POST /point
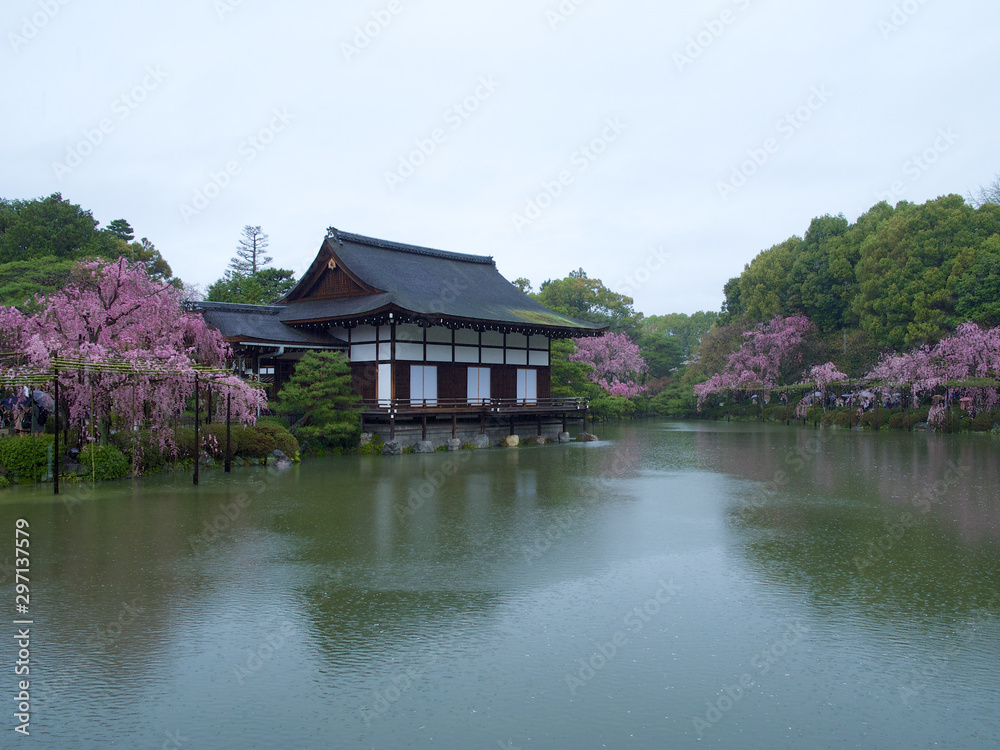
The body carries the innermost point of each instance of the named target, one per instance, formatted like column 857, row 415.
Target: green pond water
column 673, row 585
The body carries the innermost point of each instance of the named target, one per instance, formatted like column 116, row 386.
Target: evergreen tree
column 250, row 258
column 321, row 391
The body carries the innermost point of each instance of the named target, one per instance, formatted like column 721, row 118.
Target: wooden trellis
column 35, row 377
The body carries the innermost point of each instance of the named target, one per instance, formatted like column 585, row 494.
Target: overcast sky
column 658, row 145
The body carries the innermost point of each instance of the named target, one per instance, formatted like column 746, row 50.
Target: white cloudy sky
column 180, row 87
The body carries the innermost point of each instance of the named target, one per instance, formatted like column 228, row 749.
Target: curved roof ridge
column 236, row 307
column 360, row 239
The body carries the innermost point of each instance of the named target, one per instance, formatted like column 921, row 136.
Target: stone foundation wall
column 439, row 431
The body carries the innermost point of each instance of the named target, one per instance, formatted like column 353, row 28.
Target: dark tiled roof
column 425, row 282
column 258, row 324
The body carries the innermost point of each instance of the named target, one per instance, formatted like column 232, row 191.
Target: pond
column 673, row 585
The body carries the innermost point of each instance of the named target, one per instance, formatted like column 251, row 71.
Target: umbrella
column 44, row 400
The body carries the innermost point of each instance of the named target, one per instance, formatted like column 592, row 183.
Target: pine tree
column 321, row 391
column 250, row 256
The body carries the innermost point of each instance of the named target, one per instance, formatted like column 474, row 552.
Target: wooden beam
column 197, row 418
column 55, row 465
column 229, row 452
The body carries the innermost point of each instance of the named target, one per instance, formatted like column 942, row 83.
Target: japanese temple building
column 434, row 338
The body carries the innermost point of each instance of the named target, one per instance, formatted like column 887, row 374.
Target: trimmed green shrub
column 611, row 407
column 255, row 443
column 106, row 461
column 25, row 459
column 777, row 413
column 281, row 438
column 839, row 418
column 899, row 421
column 984, row 420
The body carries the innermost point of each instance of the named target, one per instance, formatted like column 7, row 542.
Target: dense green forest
column 42, row 239
column 897, row 278
column 902, row 276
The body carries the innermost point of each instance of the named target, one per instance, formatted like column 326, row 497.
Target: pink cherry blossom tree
column 136, row 346
column 617, row 363
column 762, row 361
column 823, row 376
column 971, row 353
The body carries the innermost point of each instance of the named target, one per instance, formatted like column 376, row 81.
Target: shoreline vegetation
column 891, row 322
column 27, row 459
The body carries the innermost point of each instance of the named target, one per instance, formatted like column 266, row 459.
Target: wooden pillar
column 55, row 465
column 229, row 452
column 197, row 418
column 539, row 425
column 482, row 423
column 392, row 426
column 511, row 424
column 454, row 425
column 564, row 421
column 423, row 427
